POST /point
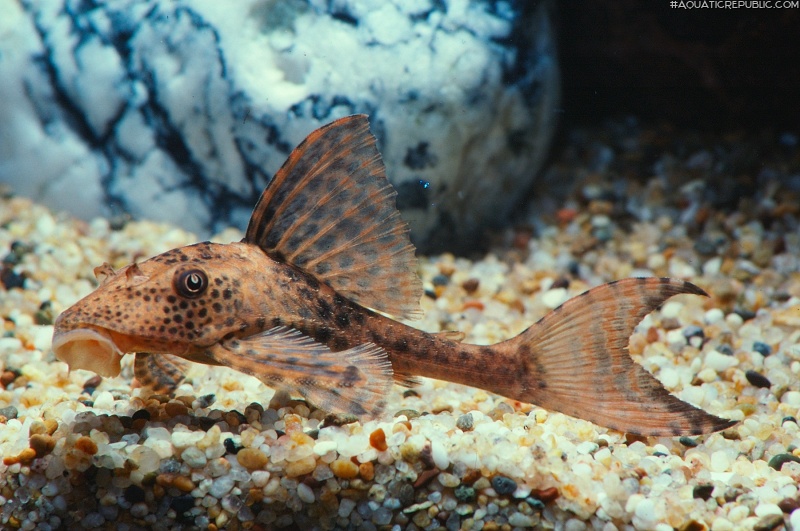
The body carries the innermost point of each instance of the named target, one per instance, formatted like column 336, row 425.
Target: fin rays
column 579, row 363
column 331, row 211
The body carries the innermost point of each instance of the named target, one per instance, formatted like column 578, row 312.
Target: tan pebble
column 42, row 444
column 165, row 480
column 186, row 400
column 175, row 409
column 301, row 467
column 344, row 468
column 86, row 445
column 366, row 471
column 301, row 439
column 377, row 439
column 158, row 491
column 183, row 484
column 252, row 458
column 51, row 425
column 25, row 456
column 293, row 423
column 37, row 427
column 402, row 426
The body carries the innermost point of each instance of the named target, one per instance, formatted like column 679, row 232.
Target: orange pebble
column 377, row 439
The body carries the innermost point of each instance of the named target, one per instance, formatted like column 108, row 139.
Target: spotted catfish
column 304, row 301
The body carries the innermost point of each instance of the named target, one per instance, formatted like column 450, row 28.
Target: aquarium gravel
column 227, row 453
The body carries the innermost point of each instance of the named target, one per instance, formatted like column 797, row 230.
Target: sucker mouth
column 88, row 348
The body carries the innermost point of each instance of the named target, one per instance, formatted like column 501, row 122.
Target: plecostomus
column 301, row 303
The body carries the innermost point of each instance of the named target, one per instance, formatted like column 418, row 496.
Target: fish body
column 306, row 302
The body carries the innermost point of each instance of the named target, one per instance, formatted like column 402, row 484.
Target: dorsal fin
column 331, row 211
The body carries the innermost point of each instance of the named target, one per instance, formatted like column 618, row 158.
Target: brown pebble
column 92, row 382
column 42, row 444
column 545, row 495
column 86, row 445
column 175, row 409
column 344, row 469
column 366, row 471
column 252, row 458
column 471, row 285
column 788, row 505
column 693, row 525
column 471, row 477
column 426, row 476
column 652, row 334
column 377, row 439
column 7, row 378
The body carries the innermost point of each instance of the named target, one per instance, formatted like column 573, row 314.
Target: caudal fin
column 577, row 362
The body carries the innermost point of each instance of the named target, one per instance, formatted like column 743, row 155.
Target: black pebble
column 779, row 460
column 181, row 504
column 693, row 331
column 141, row 414
column 725, row 349
column 231, row 446
column 503, row 485
column 134, row 494
column 688, row 442
column 703, row 492
column 762, row 348
column 757, row 379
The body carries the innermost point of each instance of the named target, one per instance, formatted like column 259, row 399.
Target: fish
column 309, row 302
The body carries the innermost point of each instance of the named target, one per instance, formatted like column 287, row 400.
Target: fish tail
column 575, row 361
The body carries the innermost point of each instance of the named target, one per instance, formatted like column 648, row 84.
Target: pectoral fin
column 354, row 381
column 162, row 373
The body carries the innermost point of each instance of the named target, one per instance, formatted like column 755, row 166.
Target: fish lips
column 89, row 348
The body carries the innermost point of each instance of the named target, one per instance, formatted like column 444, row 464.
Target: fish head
column 179, row 302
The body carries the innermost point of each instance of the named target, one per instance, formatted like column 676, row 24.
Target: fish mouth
column 92, row 349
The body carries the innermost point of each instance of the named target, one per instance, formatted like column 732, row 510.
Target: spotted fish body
column 305, row 302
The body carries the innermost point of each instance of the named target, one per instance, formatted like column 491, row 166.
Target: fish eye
column 191, row 283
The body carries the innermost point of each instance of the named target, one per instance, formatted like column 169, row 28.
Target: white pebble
column 791, row 398
column 439, row 455
column 794, row 519
column 305, row 493
column 719, row 362
column 646, row 512
column 104, row 400
column 157, row 434
column 713, row 316
column 323, row 447
column 720, row 462
column 221, row 486
column 554, row 297
column 671, row 310
column 183, row 439
column 764, row 509
column 194, row 457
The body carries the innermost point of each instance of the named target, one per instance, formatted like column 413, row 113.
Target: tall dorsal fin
column 331, row 211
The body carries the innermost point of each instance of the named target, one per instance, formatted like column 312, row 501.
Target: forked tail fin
column 576, row 362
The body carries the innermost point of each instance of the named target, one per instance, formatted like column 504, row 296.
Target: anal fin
column 354, row 381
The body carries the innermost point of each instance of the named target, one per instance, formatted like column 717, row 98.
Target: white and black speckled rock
column 182, row 110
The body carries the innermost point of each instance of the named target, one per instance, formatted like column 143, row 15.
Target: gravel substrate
column 226, row 453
